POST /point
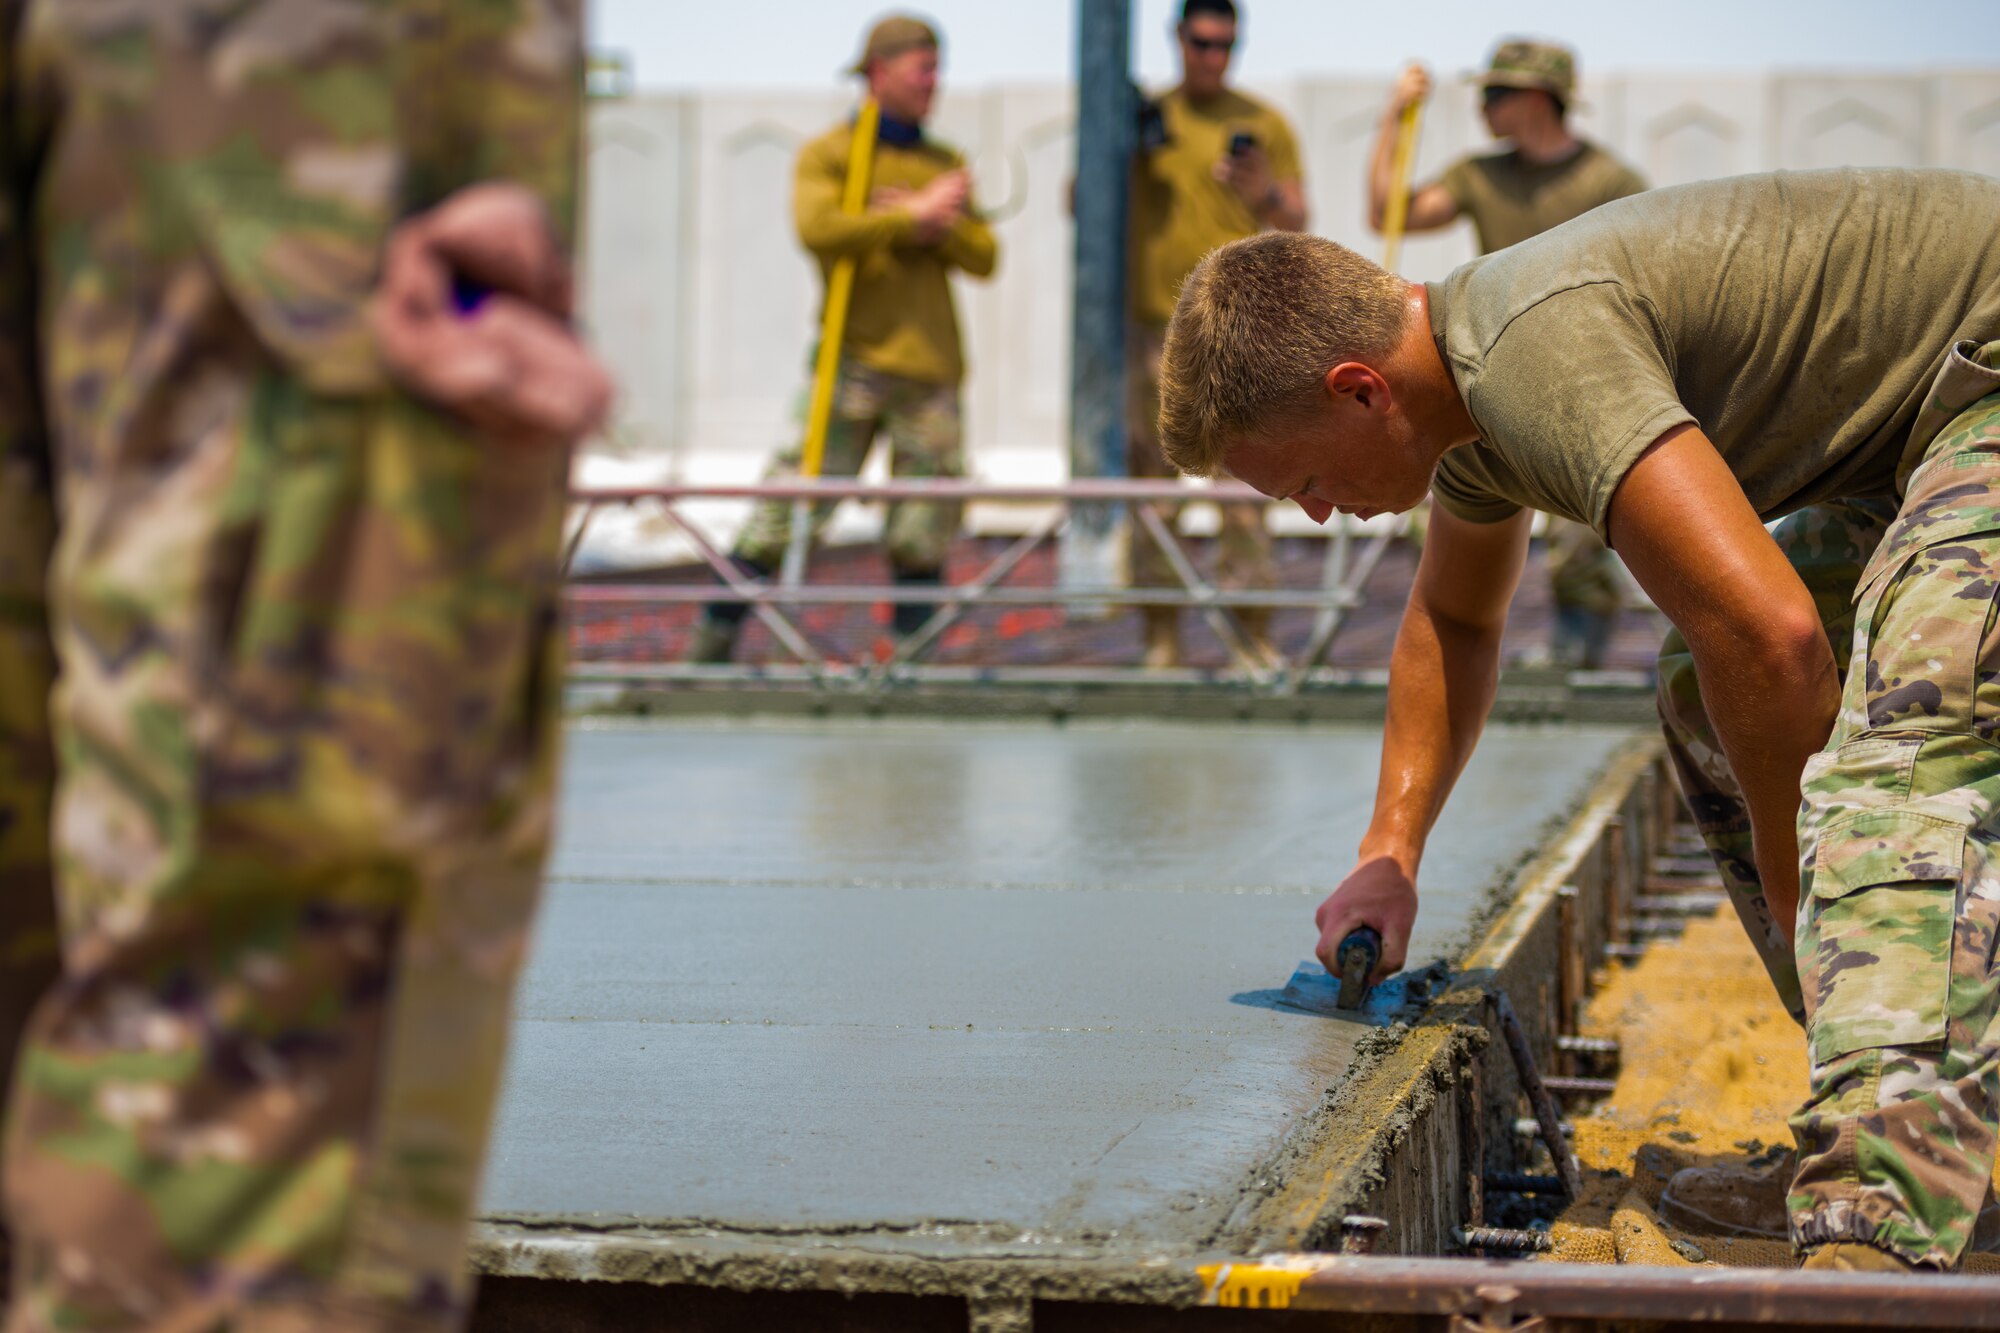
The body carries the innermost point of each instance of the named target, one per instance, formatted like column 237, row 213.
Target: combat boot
column 909, row 617
column 1163, row 637
column 714, row 641
column 715, row 635
column 1256, row 622
column 1730, row 1200
column 1847, row 1256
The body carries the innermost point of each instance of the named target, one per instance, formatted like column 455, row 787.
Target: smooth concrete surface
column 880, row 977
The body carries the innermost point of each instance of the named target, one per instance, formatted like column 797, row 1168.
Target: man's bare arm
column 1768, row 678
column 1442, row 676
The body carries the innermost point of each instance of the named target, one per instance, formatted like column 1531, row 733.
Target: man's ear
column 1361, row 384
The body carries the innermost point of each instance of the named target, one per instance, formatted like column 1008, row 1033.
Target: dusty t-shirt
column 1796, row 318
column 1510, row 198
column 1179, row 210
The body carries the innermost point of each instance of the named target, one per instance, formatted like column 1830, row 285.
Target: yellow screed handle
column 839, row 290
column 1397, row 212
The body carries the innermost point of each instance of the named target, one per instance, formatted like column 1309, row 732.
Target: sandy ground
column 1711, row 1067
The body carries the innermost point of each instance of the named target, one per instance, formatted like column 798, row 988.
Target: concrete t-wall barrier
column 703, row 303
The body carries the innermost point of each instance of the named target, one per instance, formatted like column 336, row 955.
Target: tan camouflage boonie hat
column 891, row 37
column 1525, row 64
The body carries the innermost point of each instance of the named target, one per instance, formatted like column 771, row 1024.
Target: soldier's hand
column 1375, row 893
column 1249, row 174
column 1412, row 86
column 939, row 204
column 471, row 314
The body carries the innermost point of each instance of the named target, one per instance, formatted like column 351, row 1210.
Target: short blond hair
column 1259, row 323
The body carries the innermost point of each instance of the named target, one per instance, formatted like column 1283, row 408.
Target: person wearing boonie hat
column 891, row 37
column 901, row 360
column 1543, row 178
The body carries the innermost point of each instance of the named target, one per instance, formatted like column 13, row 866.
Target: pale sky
column 678, row 44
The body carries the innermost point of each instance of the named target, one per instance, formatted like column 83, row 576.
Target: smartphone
column 1153, row 134
column 1241, row 142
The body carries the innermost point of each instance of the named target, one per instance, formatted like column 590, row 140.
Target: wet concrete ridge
column 969, row 989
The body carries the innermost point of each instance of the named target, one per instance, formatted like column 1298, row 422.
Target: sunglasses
column 1221, row 46
column 1491, row 96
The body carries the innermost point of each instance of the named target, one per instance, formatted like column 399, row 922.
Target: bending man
column 1676, row 370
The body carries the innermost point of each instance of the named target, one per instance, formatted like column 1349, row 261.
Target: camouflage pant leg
column 303, row 805
column 1587, row 589
column 860, row 399
column 1828, row 545
column 28, row 959
column 1148, row 566
column 1243, row 556
column 305, row 727
column 925, row 441
column 1900, row 870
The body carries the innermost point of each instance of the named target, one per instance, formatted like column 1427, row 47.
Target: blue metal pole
column 1107, row 130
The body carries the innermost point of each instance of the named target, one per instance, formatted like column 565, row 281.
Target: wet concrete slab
column 862, row 978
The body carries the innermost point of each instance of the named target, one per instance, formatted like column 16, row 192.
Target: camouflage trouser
column 1585, row 584
column 1828, row 545
column 304, row 730
column 1899, row 843
column 922, row 423
column 1243, row 557
column 1900, row 881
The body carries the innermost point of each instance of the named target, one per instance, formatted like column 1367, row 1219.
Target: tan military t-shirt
column 1797, row 318
column 1179, row 210
column 1510, row 198
column 901, row 319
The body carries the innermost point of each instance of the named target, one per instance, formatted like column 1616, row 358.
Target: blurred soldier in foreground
column 287, row 391
column 900, row 363
column 1546, row 176
column 1213, row 165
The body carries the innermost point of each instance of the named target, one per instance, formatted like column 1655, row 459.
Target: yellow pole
column 839, row 290
column 1397, row 211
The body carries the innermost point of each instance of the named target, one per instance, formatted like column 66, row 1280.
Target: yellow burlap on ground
column 1710, row 1068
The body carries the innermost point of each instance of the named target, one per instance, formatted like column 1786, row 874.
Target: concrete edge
column 790, row 1263
column 1401, row 1170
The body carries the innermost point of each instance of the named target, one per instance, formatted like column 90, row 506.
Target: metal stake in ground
column 1568, row 1169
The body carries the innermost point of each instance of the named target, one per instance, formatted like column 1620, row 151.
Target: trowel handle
column 1356, row 958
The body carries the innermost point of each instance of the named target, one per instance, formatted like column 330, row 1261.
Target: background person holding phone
column 1213, row 166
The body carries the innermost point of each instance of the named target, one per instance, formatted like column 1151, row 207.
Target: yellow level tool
column 1397, row 212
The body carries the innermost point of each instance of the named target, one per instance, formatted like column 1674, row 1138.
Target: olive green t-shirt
column 1179, row 210
column 1797, row 318
column 1510, row 198
column 900, row 319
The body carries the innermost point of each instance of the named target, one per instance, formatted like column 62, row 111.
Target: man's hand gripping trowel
column 1356, row 959
column 1345, row 993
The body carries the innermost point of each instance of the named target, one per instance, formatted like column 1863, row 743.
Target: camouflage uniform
column 922, row 423
column 305, row 724
column 1587, row 590
column 1900, row 881
column 1243, row 556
